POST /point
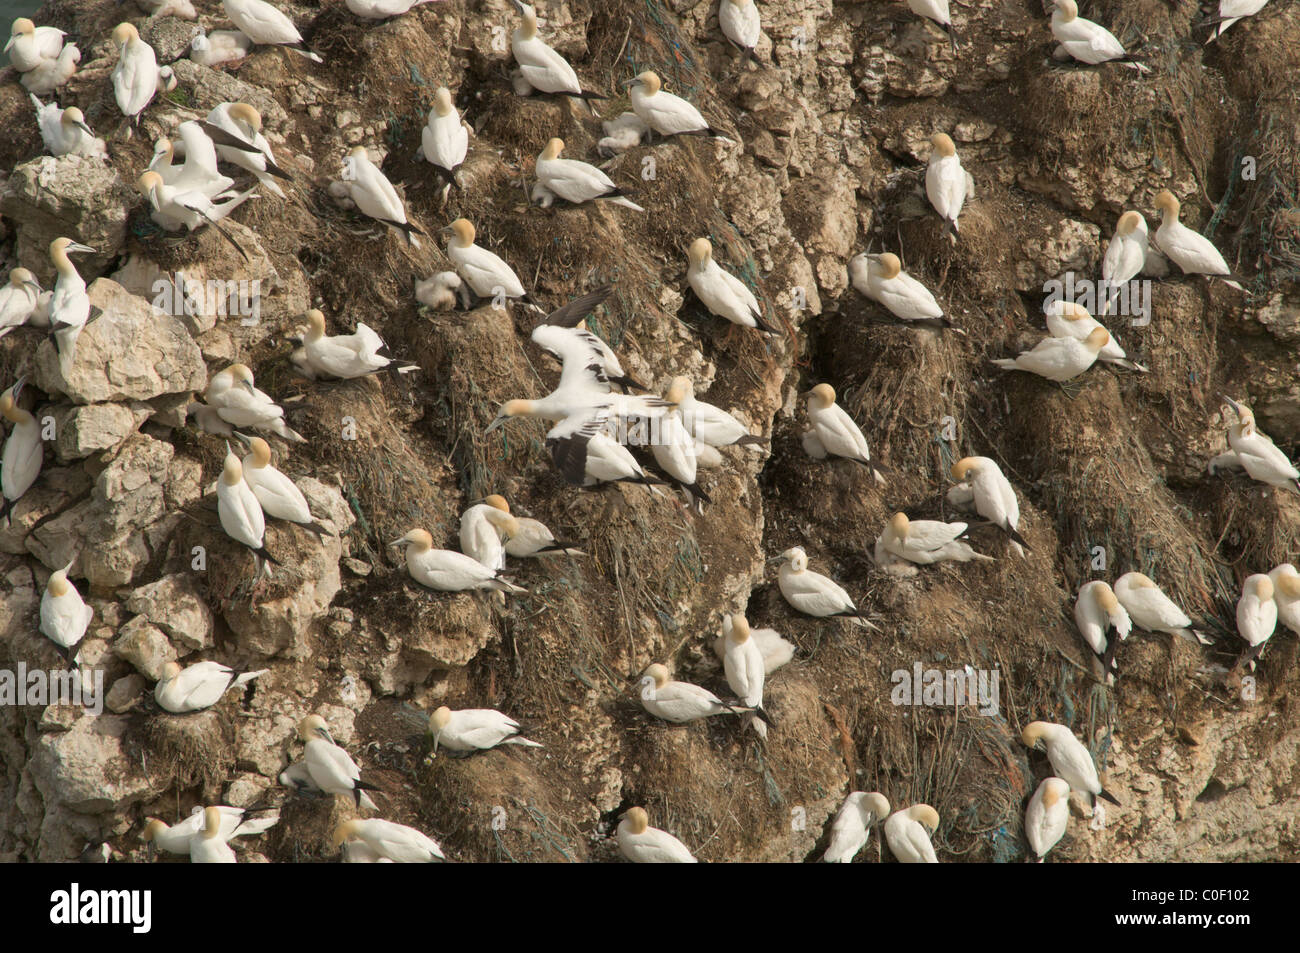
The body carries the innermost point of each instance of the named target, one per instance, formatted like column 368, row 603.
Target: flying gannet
column 993, row 496
column 679, row 702
column 924, row 542
column 577, row 182
column 199, row 686
column 540, row 67
column 1254, row 451
column 1085, row 41
column 64, row 132
column 882, row 279
column 1065, row 319
column 665, row 113
column 446, row 570
column 265, row 25
column 814, row 594
column 1097, row 610
column 906, row 834
column 1152, row 610
column 834, row 433
column 396, row 842
column 1059, row 359
column 330, row 768
column 857, row 815
column 1071, row 761
column 474, row 729
column 24, row 451
column 740, row 24
column 1047, row 816
column 722, row 292
column 64, row 615
column 947, row 184
column 1191, row 251
column 565, row 336
column 643, row 844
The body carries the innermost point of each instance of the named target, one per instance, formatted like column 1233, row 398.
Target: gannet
column 51, row 74
column 775, row 650
column 1190, row 251
column 474, row 729
column 1097, row 610
column 947, row 184
column 1126, row 255
column 208, row 419
column 746, row 671
column 993, row 496
column 209, row 846
column 1085, row 41
column 881, row 278
column 438, row 291
column 906, row 833
column 643, row 844
column 480, row 538
column 565, row 336
column 29, row 45
column 445, row 570
column 485, row 273
column 814, row 594
column 232, row 394
column 220, row 46
column 64, row 615
column 834, row 432
column 18, row 300
column 578, row 182
column 1065, row 319
column 279, row 495
column 397, row 842
column 345, row 356
column 135, row 78
column 330, row 768
column 1059, row 359
column 936, row 11
column 1256, row 615
column 174, row 209
column 857, row 815
column 70, row 306
column 1152, row 610
column 665, row 113
column 722, row 292
column 679, row 702
column 1286, row 595
column 236, row 128
column 541, row 67
column 445, row 137
column 1253, row 450
column 176, row 838
column 740, row 24
column 1230, row 11
column 1047, row 816
column 359, row 852
column 674, row 451
column 240, row 512
column 182, row 9
column 709, row 424
column 266, row 25
column 525, row 537
column 64, row 132
column 374, row 195
column 199, row 686
column 1070, row 759
column 924, row 541
column 382, row 9
column 199, row 173
column 586, row 455
column 24, row 451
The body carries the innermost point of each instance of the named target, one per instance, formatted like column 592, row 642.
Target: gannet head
column 1054, row 790
column 823, row 395
column 1105, row 597
column 796, row 557
column 648, row 81
column 874, row 802
column 260, row 450
column 964, row 467
column 61, row 247
column 461, row 231
column 1260, row 585
column 124, row 32
column 345, row 831
column 943, row 144
column 72, row 116
column 553, row 149
column 511, row 408
column 886, row 265
column 419, row 538
column 1137, row 580
column 1245, row 415
column 200, row 44
column 211, row 822
column 1037, row 731
column 440, row 719
column 529, row 15
column 315, row 324
column 679, row 390
column 1069, row 9
column 739, row 628
column 232, row 471
column 899, row 525
column 1072, row 312
column 21, row 276
column 442, row 101
column 9, row 407
column 21, row 26
column 1128, row 223
column 162, row 147
column 497, row 501
column 1288, row 581
column 924, row 814
column 1097, row 340
column 58, row 585
column 700, row 252
column 247, row 114
column 1166, row 203
column 313, row 727
column 242, row 375
column 659, row 673
column 152, row 829
column 637, row 820
column 170, row 670
column 150, row 181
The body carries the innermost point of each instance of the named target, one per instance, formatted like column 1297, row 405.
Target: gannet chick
column 775, row 650
column 220, row 46
column 881, row 278
column 330, row 768
column 439, row 291
column 1191, row 251
column 1059, row 359
column 396, row 842
column 52, row 74
column 1286, row 595
column 540, row 67
column 175, row 209
column 643, row 844
column 1256, row 615
column 962, row 495
column 484, row 271
column 69, row 306
column 1065, row 319
column 925, row 541
column 1097, row 610
column 578, row 182
column 64, row 615
column 679, row 702
column 722, row 292
column 232, row 394
column 480, row 538
column 665, row 113
column 1152, row 610
column 1070, row 759
column 382, row 9
column 1255, row 451
column 199, row 686
column 445, row 137
column 374, row 195
column 64, row 132
column 622, row 133
column 279, row 495
column 947, row 184
column 445, row 570
column 993, row 496
column 345, row 356
column 906, row 834
column 176, row 838
column 240, row 512
column 29, row 45
column 740, row 24
column 834, row 432
column 135, row 78
column 266, row 25
column 857, row 815
column 18, row 300
column 1085, row 41
column 746, row 672
column 1047, row 816
column 474, row 729
column 524, row 537
column 814, row 594
column 708, row 424
column 207, row 419
column 236, row 128
column 1230, row 11
column 182, row 9
column 209, row 846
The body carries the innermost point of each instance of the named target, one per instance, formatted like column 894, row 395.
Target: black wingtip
column 1106, row 795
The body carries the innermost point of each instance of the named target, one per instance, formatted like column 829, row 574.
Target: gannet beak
column 84, row 128
column 10, row 43
column 33, row 285
column 445, row 230
column 631, row 82
column 776, row 559
column 247, row 386
column 77, row 246
column 499, row 422
column 398, row 542
column 434, row 752
column 18, row 387
column 243, row 437
column 1231, row 403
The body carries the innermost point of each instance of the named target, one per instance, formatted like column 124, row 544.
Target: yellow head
column 462, row 232
column 886, row 265
column 419, row 538
column 964, row 467
column 650, row 81
column 943, row 144
column 553, row 149
column 899, row 524
column 1166, row 203
column 344, row 832
column 1128, row 223
column 637, row 820
column 823, row 395
column 700, row 252
column 124, row 32
column 1097, row 340
column 739, row 628
column 659, row 673
column 442, row 101
column 247, row 114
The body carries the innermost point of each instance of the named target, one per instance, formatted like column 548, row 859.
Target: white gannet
column 374, row 195
column 665, row 113
column 1065, row 319
column 882, row 279
column 814, row 594
column 474, row 729
column 69, row 306
column 1071, row 761
column 1229, row 12
column 740, row 24
column 722, row 292
column 176, row 838
column 445, row 137
column 906, row 833
column 1256, row 615
column 1085, row 41
column 220, row 46
column 541, row 67
column 835, row 433
column 174, row 209
column 584, row 452
column 240, row 513
column 46, row 78
column 396, row 842
column 1152, row 610
column 279, row 495
column 1191, row 251
column 199, row 686
column 439, row 290
column 232, row 393
column 746, row 671
column 673, row 448
column 993, row 495
column 859, row 812
column 344, row 356
column 1126, row 256
column 266, row 25
column 947, row 184
column 236, row 128
column 643, row 844
column 64, row 132
column 1253, row 450
column 679, row 702
column 708, row 424
column 30, row 45
column 183, row 9
column 525, row 537
column 209, row 846
column 64, row 614
column 480, row 538
column 1047, row 816
column 135, row 78
column 18, row 300
column 330, row 768
column 936, row 11
column 359, row 852
column 577, row 182
column 200, row 172
column 1286, row 595
column 924, row 542
column 1097, row 610
column 484, row 271
column 208, row 419
column 1059, row 359
column 776, row 651
column 445, row 570
column 382, row 9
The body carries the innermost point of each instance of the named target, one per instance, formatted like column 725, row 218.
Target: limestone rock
column 145, row 647
column 173, row 604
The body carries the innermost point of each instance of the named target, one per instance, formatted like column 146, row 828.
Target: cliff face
column 831, row 138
